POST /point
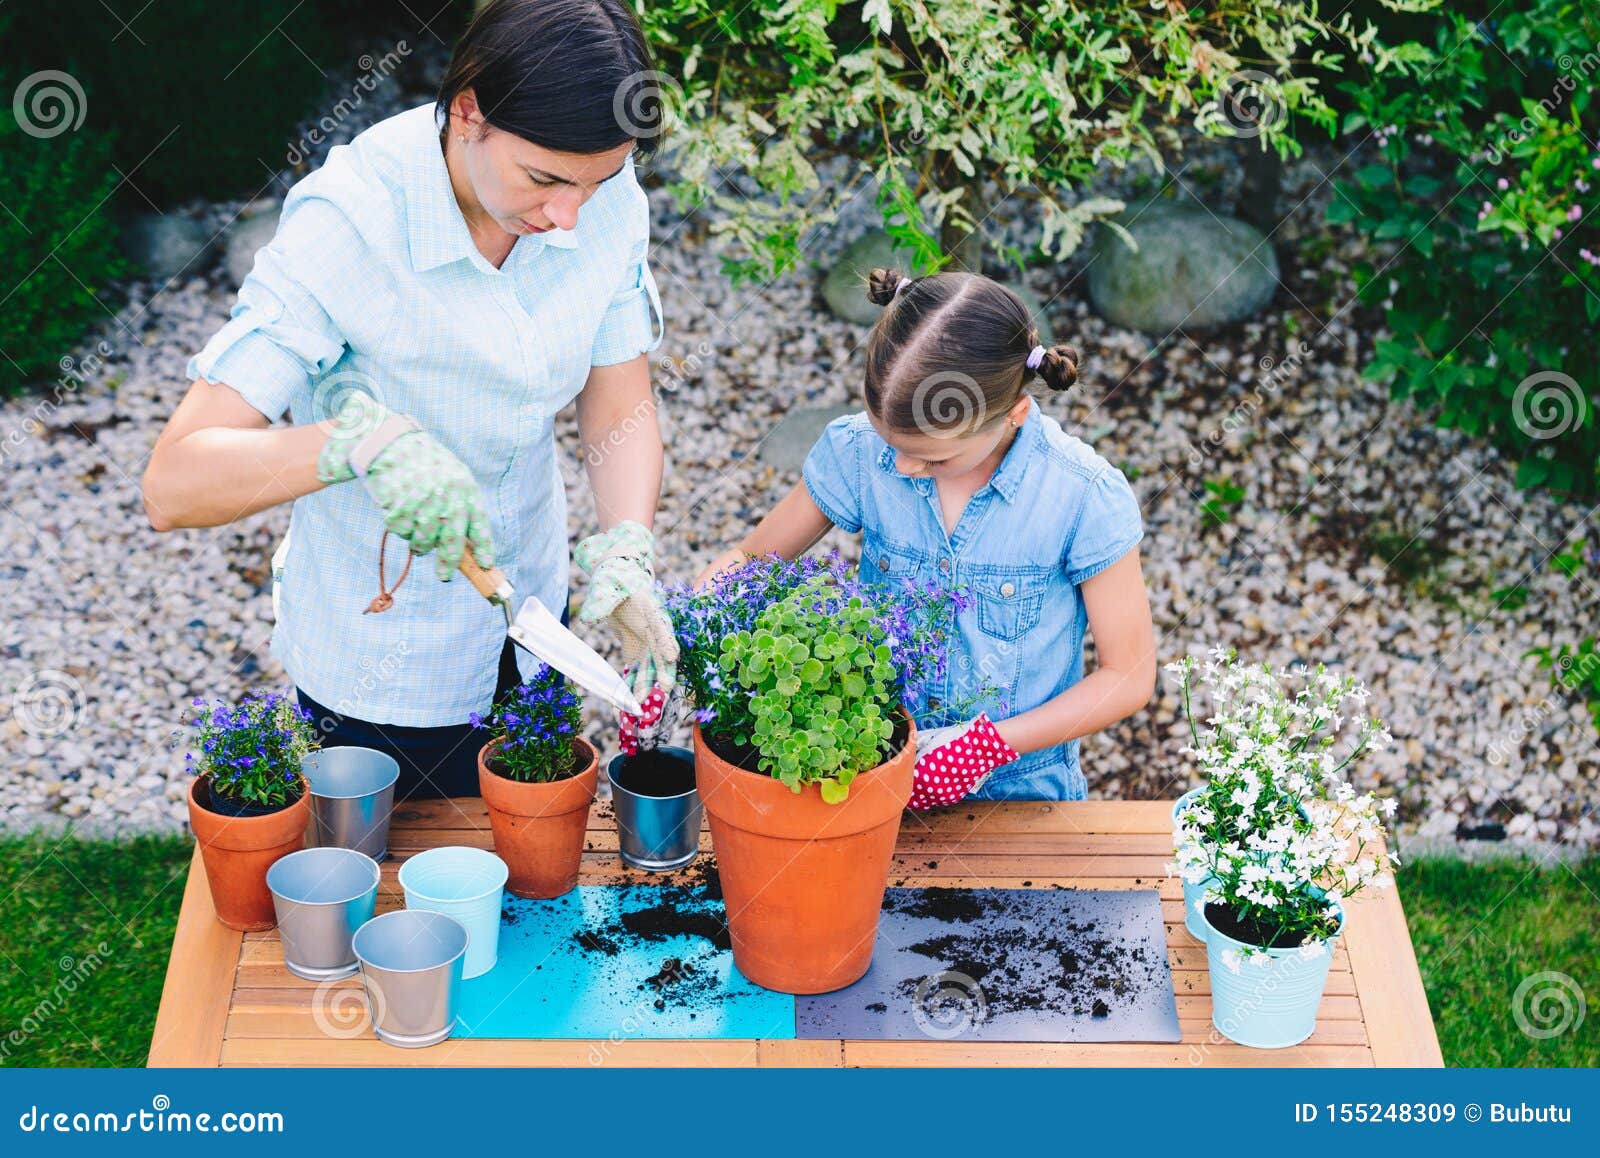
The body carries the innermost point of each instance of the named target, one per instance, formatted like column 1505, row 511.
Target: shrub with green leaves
column 535, row 724
column 57, row 246
column 252, row 751
column 821, row 679
column 934, row 97
column 1487, row 184
column 806, row 665
column 199, row 96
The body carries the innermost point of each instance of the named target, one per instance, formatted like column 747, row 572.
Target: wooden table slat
column 192, row 1016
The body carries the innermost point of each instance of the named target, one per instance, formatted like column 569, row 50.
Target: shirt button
column 1007, row 589
column 883, row 563
column 944, row 565
column 934, row 703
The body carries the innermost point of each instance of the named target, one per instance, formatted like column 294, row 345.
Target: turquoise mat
column 616, row 962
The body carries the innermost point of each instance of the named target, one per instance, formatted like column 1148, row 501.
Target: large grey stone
column 1193, row 270
column 845, row 287
column 243, row 238
column 792, row 439
column 165, row 246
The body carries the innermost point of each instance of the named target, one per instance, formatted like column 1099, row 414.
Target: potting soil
column 1008, row 965
column 609, row 962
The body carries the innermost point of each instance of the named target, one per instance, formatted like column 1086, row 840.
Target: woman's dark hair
column 949, row 354
column 575, row 76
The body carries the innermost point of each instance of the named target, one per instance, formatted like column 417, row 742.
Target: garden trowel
column 537, row 630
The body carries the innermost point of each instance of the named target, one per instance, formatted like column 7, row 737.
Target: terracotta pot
column 803, row 880
column 538, row 828
column 238, row 851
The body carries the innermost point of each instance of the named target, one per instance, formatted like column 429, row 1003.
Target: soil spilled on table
column 688, row 978
column 1018, row 965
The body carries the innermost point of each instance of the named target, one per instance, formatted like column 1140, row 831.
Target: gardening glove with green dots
column 621, row 567
column 428, row 495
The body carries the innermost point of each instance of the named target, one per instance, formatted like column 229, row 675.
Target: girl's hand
column 954, row 762
column 427, row 493
column 726, row 561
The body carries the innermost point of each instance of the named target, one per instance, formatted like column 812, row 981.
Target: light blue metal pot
column 1271, row 1002
column 467, row 884
column 1192, row 920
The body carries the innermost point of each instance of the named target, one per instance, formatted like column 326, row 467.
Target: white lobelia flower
column 1230, row 958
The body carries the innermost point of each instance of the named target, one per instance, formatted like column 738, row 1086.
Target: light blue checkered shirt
column 373, row 282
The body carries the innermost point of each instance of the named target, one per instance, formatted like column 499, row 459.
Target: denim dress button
column 944, row 565
column 1008, row 589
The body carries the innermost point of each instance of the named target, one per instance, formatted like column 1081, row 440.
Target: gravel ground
column 1364, row 538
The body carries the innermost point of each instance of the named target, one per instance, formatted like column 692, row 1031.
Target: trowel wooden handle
column 490, row 581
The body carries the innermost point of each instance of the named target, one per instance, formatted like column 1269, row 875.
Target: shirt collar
column 436, row 232
column 1008, row 478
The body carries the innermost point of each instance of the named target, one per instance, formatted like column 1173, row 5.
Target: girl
column 954, row 475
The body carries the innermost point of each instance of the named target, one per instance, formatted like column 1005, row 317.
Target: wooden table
column 228, row 1000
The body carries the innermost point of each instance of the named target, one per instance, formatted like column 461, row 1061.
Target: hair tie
column 1035, row 356
column 905, row 281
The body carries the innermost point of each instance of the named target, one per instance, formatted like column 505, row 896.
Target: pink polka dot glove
column 953, row 762
column 653, row 704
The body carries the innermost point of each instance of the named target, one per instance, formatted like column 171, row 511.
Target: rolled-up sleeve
column 279, row 335
column 632, row 324
column 1109, row 527
column 832, row 473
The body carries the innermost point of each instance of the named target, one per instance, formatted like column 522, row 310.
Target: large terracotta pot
column 803, row 880
column 538, row 828
column 238, row 851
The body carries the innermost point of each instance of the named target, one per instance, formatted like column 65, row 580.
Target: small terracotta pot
column 238, row 851
column 538, row 828
column 803, row 880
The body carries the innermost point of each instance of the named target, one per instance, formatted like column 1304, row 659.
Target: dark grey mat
column 1008, row 965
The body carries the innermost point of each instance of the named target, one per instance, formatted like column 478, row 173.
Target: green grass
column 1483, row 930
column 85, row 929
column 1480, row 931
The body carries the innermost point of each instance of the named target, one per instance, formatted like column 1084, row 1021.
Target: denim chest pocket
column 889, row 562
column 1009, row 603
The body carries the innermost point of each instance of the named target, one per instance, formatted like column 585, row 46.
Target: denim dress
column 1054, row 515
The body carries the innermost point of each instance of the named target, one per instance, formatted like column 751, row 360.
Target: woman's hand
column 726, row 561
column 621, row 566
column 427, row 493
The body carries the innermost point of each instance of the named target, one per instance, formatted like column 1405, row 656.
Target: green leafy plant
column 1575, row 667
column 1487, row 185
column 57, row 247
column 821, row 679
column 1225, row 497
column 535, row 724
column 933, row 98
column 805, row 666
column 136, row 66
column 1278, row 834
column 252, row 751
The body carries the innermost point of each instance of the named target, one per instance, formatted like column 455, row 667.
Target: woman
column 434, row 295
